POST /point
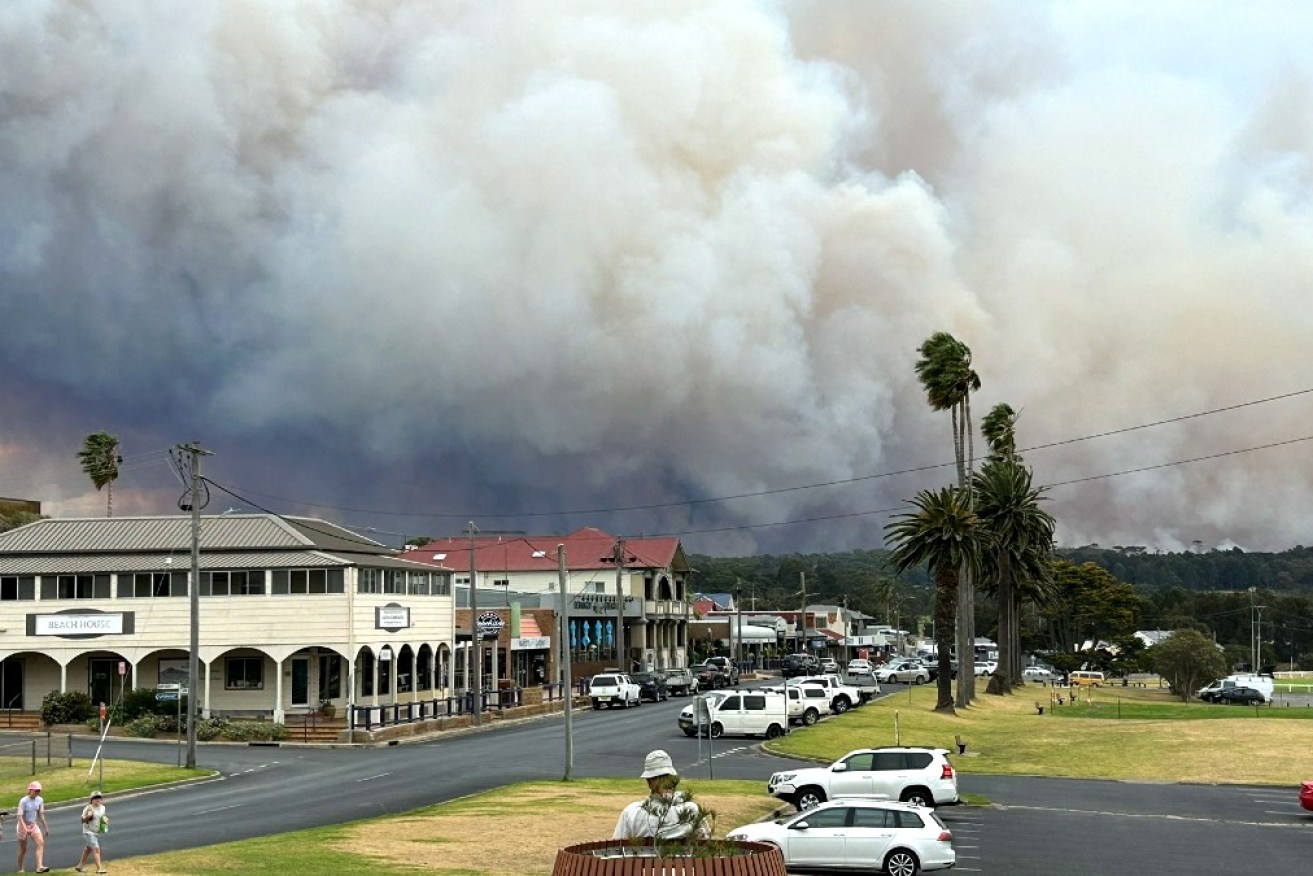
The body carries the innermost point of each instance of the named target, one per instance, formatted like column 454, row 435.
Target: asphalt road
column 1033, row 825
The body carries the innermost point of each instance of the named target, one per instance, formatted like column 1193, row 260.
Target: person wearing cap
column 32, row 809
column 94, row 823
column 665, row 813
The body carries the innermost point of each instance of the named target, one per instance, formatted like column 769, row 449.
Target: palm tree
column 946, row 375
column 100, row 460
column 1021, row 549
column 945, row 534
column 1000, row 430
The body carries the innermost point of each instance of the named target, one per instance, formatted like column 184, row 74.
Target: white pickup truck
column 843, row 696
column 613, row 689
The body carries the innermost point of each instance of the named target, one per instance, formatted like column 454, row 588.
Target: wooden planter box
column 710, row 858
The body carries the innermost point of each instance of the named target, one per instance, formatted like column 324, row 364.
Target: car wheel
column 917, row 797
column 596, row 705
column 717, row 730
column 690, row 733
column 901, row 862
column 773, row 731
column 840, row 705
column 921, row 679
column 809, row 798
column 810, row 717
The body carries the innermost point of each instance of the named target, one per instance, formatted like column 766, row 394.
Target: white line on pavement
column 371, row 778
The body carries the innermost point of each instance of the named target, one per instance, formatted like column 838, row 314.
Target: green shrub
column 73, row 707
column 133, row 704
column 209, row 729
column 145, row 726
column 254, row 731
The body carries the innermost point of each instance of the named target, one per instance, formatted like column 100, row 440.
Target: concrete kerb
column 129, row 793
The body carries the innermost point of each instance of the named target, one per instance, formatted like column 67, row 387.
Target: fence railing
column 367, row 717
column 23, row 756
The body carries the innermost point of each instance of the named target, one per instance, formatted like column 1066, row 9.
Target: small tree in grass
column 1188, row 660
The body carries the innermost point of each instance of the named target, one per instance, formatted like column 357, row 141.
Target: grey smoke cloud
column 501, row 258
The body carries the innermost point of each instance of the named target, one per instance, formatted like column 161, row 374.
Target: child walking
column 94, row 823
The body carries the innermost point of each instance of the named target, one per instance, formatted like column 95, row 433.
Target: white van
column 749, row 713
column 1260, row 683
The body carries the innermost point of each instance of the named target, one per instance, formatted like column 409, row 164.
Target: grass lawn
column 1157, row 737
column 512, row 831
column 60, row 783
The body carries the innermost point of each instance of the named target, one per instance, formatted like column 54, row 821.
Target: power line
column 655, row 506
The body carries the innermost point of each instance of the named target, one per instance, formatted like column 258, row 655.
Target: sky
column 660, row 267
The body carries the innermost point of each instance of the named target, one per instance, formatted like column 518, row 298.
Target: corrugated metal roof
column 173, row 533
column 73, row 564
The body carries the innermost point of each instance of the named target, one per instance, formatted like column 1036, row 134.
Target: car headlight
column 782, row 777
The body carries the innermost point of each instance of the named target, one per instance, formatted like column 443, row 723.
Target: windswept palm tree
column 1000, row 430
column 100, row 460
column 946, row 535
column 945, row 372
column 1021, row 548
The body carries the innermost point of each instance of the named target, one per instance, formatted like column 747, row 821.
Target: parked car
column 902, row 672
column 798, row 706
column 842, row 696
column 1306, row 795
column 859, row 666
column 1247, row 696
column 986, row 667
column 924, row 776
column 651, row 686
column 799, row 664
column 858, row 835
column 681, row 682
column 1262, row 684
column 613, row 689
column 709, row 676
column 1037, row 673
column 817, row 698
column 727, row 666
column 829, row 664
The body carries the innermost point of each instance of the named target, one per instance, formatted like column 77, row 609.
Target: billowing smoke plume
column 516, row 258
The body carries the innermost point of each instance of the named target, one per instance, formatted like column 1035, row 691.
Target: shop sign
column 531, row 643
column 391, row 617
column 80, row 625
column 489, row 624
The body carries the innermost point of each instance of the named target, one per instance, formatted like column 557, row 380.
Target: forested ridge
column 1111, row 593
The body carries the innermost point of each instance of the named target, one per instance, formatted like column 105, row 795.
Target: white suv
column 613, row 690
column 923, row 776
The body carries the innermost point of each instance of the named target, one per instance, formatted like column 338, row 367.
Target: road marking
column 1191, row 818
column 218, row 809
column 371, row 778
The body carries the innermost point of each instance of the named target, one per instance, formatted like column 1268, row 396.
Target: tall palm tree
column 945, row 534
column 945, row 372
column 1021, row 550
column 100, row 460
column 1000, row 430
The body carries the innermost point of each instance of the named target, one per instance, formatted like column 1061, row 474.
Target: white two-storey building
column 293, row 612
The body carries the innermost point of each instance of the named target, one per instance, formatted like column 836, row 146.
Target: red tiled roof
column 586, row 548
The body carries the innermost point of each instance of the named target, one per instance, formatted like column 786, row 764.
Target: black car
column 650, row 686
column 799, row 664
column 1241, row 695
column 710, row 677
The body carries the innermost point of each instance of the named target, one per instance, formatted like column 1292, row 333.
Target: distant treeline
column 1207, row 590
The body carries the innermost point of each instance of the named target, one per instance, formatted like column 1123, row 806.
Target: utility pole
column 738, row 623
column 566, row 681
column 476, row 635
column 1258, row 639
column 619, row 555
column 195, row 452
column 802, row 616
